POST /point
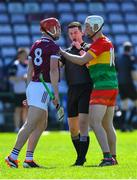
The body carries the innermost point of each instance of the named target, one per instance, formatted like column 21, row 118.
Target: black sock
column 76, row 143
column 84, row 144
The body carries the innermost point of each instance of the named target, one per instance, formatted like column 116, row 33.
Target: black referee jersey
column 76, row 74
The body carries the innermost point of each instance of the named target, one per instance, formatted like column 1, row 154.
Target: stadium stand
column 21, row 19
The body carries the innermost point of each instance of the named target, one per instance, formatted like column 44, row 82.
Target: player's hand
column 25, row 103
column 60, row 113
column 55, row 101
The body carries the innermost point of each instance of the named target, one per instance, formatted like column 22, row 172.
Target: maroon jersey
column 40, row 54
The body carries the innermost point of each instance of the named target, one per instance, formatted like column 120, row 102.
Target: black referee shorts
column 128, row 91
column 78, row 99
column 18, row 99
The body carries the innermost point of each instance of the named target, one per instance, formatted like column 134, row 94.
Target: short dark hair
column 75, row 24
column 21, row 50
column 127, row 46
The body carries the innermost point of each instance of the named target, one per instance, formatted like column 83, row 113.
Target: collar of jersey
column 43, row 37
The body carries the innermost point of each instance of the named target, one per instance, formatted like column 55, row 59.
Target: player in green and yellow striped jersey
column 100, row 62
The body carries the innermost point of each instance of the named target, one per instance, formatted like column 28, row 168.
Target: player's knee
column 30, row 126
column 43, row 126
column 108, row 126
column 94, row 125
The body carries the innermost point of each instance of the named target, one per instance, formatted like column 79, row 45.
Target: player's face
column 56, row 33
column 22, row 56
column 75, row 34
column 88, row 30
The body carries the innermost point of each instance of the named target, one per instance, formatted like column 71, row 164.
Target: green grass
column 55, row 152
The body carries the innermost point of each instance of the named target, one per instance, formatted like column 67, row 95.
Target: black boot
column 83, row 148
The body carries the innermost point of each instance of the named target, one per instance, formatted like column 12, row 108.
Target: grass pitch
column 56, row 153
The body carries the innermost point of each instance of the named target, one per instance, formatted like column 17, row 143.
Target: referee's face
column 75, row 34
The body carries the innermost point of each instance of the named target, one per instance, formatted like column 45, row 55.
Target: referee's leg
column 83, row 108
column 73, row 120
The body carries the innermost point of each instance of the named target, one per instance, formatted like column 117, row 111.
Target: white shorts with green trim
column 37, row 95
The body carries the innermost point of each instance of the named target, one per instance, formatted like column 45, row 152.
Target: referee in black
column 79, row 90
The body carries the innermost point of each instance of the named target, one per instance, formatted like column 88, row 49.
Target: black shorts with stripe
column 78, row 99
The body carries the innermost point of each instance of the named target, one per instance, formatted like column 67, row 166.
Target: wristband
column 81, row 49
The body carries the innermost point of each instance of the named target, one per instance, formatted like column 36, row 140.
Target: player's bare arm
column 54, row 75
column 80, row 60
column 30, row 71
column 14, row 78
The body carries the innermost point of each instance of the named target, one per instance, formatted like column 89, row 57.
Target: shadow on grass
column 95, row 166
column 42, row 167
column 86, row 166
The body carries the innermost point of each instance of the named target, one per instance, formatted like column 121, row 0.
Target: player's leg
column 133, row 96
column 24, row 109
column 34, row 116
column 133, row 115
column 33, row 140
column 124, row 108
column 109, row 128
column 34, row 136
column 100, row 100
column 17, row 119
column 24, row 114
column 96, row 113
column 124, row 94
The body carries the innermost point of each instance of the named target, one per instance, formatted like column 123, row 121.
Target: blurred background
column 19, row 28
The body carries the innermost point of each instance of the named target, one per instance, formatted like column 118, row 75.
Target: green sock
column 107, row 155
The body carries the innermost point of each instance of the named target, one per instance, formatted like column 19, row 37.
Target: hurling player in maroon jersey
column 43, row 58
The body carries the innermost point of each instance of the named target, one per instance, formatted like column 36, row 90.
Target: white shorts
column 37, row 95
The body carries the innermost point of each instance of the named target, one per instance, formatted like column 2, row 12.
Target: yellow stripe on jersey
column 92, row 53
column 103, row 58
